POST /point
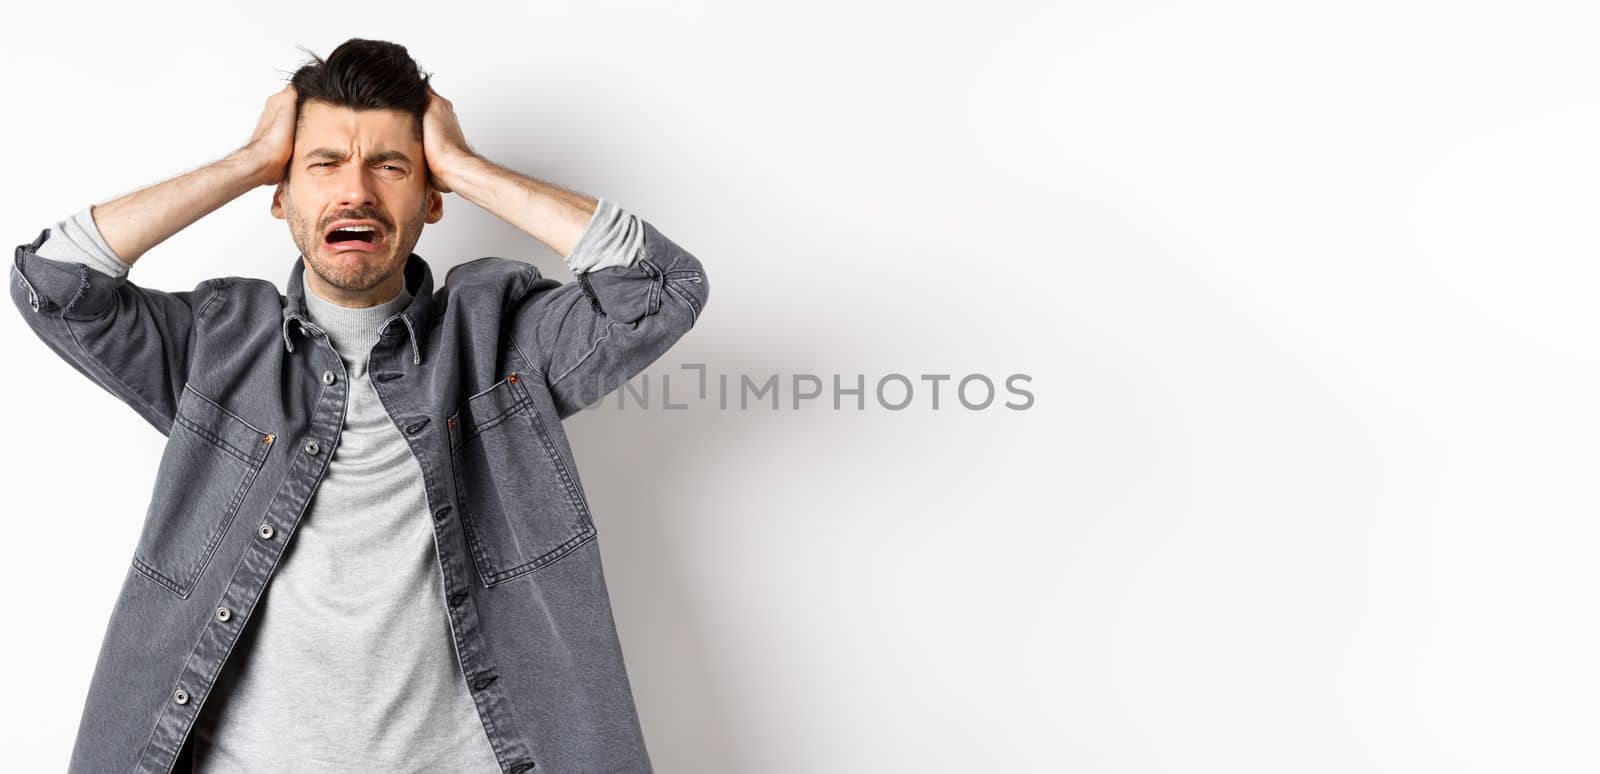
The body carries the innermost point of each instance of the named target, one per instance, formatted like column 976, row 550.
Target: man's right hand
column 272, row 145
column 133, row 223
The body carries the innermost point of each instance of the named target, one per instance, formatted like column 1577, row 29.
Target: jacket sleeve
column 624, row 310
column 135, row 342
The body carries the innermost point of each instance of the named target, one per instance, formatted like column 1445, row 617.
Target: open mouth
column 356, row 236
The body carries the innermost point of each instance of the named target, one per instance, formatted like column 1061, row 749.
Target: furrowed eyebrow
column 338, row 155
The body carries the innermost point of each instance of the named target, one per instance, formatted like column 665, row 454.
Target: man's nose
column 355, row 186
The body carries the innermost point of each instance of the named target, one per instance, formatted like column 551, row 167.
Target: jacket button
column 224, row 614
column 312, row 447
column 328, row 377
column 265, row 531
column 180, row 696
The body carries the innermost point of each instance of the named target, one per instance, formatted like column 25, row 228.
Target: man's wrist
column 252, row 165
column 451, row 169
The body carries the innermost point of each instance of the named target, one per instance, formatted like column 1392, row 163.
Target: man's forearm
column 551, row 214
column 133, row 223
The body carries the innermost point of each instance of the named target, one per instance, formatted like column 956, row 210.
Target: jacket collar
column 416, row 317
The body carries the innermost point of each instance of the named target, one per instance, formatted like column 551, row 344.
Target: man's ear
column 435, row 206
column 277, row 203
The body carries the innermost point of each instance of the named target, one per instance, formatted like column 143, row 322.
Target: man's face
column 353, row 165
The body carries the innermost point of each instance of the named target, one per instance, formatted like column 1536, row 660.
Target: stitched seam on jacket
column 545, row 559
column 541, row 369
column 480, row 560
column 593, row 349
column 532, row 366
column 694, row 309
column 573, row 490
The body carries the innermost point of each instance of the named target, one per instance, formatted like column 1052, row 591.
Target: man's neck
column 353, row 299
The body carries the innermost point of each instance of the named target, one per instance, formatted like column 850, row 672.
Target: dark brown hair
column 364, row 75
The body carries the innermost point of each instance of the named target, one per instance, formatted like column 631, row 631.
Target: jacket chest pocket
column 522, row 507
column 210, row 460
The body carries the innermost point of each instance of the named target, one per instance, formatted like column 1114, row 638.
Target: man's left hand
column 443, row 143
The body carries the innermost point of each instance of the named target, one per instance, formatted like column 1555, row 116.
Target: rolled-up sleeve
column 612, row 238
column 624, row 310
column 77, row 239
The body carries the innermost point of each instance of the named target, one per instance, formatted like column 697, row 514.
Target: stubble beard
column 354, row 276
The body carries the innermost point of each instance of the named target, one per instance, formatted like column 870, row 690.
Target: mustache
column 356, row 215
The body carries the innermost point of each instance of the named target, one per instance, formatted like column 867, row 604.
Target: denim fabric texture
column 251, row 397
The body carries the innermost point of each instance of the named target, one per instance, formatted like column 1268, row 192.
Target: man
column 385, row 458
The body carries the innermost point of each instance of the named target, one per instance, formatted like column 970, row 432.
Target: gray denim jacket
column 251, row 396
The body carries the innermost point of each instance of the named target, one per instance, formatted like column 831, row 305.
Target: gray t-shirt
column 349, row 663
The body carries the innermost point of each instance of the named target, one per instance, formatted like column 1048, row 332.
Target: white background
column 1305, row 292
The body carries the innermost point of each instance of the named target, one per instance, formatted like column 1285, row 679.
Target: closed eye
column 385, row 166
